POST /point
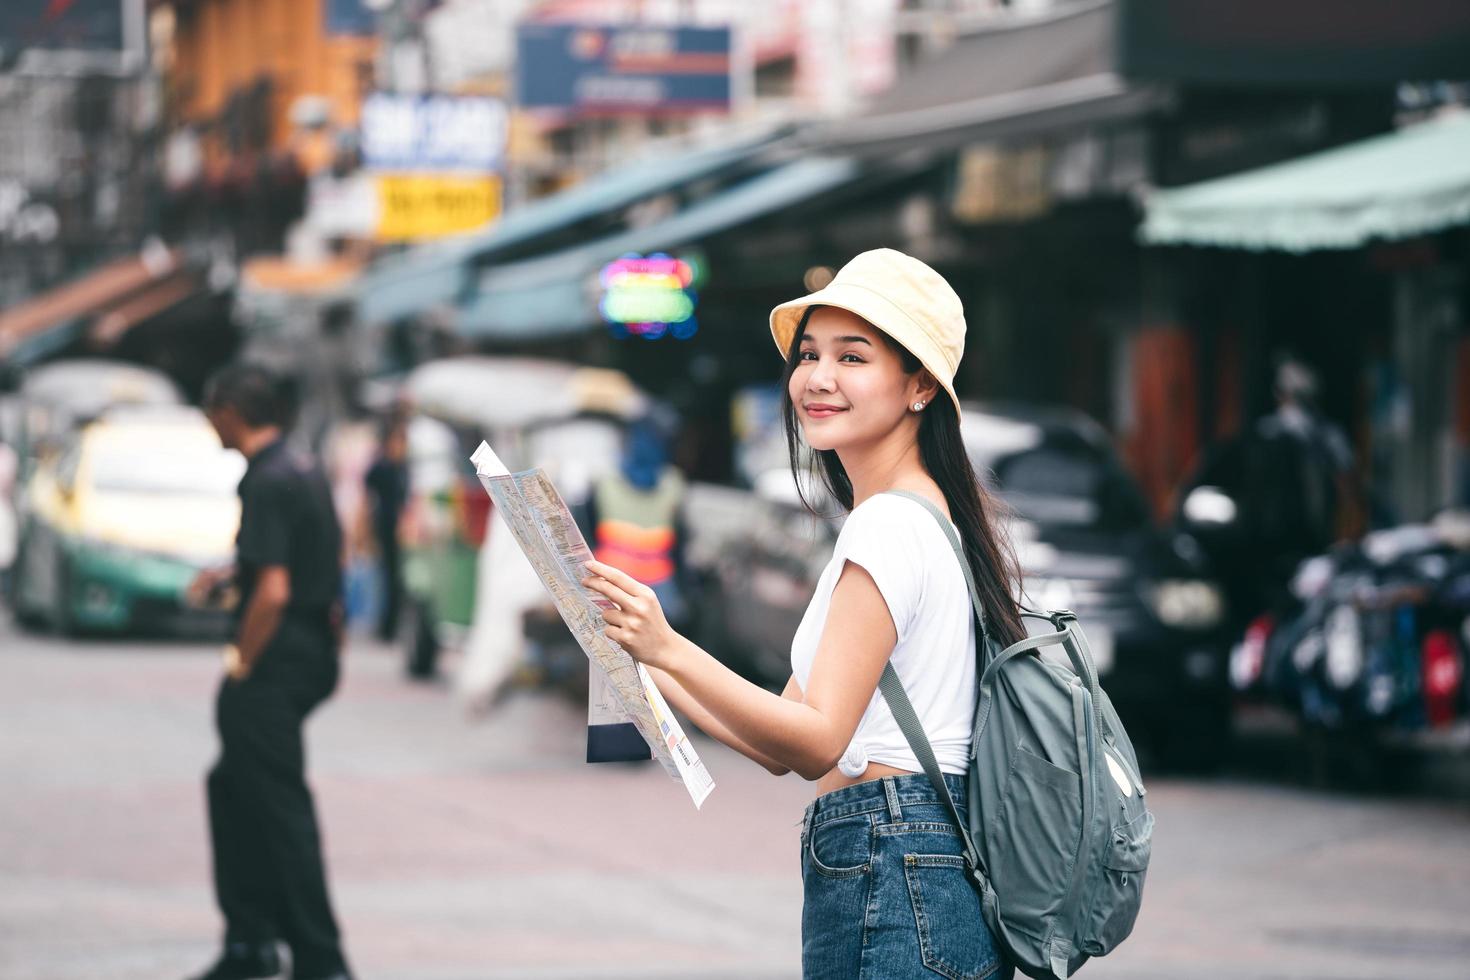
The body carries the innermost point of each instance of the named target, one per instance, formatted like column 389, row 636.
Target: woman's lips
column 823, row 411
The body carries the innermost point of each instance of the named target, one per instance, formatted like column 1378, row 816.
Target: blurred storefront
column 1012, row 153
column 1356, row 259
column 1352, row 259
column 78, row 109
column 757, row 211
column 1038, row 136
column 261, row 95
column 265, row 100
column 81, row 272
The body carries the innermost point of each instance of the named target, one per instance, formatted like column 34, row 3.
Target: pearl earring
column 918, row 406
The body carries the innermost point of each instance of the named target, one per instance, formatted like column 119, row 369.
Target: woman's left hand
column 638, row 624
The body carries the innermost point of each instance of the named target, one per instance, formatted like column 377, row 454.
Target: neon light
column 654, row 268
column 650, row 296
column 646, row 305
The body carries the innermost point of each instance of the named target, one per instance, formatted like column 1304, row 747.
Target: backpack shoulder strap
column 913, row 732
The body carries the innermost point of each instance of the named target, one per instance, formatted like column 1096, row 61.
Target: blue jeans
column 885, row 892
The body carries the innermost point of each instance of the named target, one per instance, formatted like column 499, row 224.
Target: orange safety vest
column 635, row 528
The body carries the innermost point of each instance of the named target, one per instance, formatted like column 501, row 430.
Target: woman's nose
column 820, row 378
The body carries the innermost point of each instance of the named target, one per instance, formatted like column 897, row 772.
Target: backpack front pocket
column 1033, row 841
column 1116, row 898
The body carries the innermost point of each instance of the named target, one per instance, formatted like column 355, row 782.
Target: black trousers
column 269, row 877
column 392, row 568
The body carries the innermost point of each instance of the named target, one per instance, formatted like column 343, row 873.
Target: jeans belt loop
column 890, row 791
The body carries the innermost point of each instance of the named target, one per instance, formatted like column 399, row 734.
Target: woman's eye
column 811, row 355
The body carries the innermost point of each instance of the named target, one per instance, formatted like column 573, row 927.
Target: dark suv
column 1085, row 542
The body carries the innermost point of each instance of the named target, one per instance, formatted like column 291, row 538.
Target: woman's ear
column 926, row 387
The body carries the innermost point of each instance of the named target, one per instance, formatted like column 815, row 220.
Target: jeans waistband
column 887, row 792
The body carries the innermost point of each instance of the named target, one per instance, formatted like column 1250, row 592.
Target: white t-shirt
column 901, row 546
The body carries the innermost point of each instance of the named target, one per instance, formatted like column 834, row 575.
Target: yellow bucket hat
column 900, row 296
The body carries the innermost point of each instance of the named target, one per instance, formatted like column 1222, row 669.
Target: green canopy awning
column 1406, row 183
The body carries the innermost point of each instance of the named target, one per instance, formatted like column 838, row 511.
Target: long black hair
column 942, row 451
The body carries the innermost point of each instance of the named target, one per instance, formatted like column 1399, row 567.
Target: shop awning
column 556, row 294
column 49, row 321
column 111, row 326
column 1406, row 183
column 1018, row 76
column 434, row 274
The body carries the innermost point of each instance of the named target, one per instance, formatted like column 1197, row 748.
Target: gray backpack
column 1058, row 837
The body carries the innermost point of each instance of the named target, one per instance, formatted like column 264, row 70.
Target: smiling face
column 849, row 387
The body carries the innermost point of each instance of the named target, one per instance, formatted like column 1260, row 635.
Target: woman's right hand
column 638, row 624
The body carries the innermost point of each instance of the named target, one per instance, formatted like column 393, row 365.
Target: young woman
column 870, row 363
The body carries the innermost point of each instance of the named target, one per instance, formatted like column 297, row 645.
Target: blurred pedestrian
column 269, row 876
column 636, row 516
column 387, row 486
column 869, row 382
column 1299, row 475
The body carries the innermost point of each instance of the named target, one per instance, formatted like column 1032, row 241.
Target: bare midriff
column 837, row 779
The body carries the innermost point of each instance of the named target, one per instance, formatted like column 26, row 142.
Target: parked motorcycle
column 1373, row 652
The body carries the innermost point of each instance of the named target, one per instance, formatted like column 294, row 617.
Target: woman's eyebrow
column 851, row 339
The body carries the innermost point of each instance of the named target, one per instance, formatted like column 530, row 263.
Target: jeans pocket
column 954, row 941
column 841, row 848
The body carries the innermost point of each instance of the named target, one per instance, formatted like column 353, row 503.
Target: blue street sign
column 434, row 133
column 606, row 69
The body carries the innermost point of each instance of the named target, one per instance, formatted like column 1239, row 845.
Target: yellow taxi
column 118, row 520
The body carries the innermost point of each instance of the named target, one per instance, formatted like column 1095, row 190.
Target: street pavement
column 480, row 849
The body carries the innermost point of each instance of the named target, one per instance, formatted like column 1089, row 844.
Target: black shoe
column 245, row 961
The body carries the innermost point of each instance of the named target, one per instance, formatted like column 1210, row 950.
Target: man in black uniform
column 268, row 872
column 387, row 486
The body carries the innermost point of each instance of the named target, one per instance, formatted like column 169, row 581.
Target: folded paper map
column 543, row 527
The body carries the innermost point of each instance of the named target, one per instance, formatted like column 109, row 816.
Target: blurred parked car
column 56, row 398
column 115, row 524
column 1085, row 542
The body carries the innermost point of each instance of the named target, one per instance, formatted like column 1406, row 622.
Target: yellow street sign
column 414, row 206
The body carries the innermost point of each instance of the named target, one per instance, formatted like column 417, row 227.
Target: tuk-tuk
column 466, row 586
